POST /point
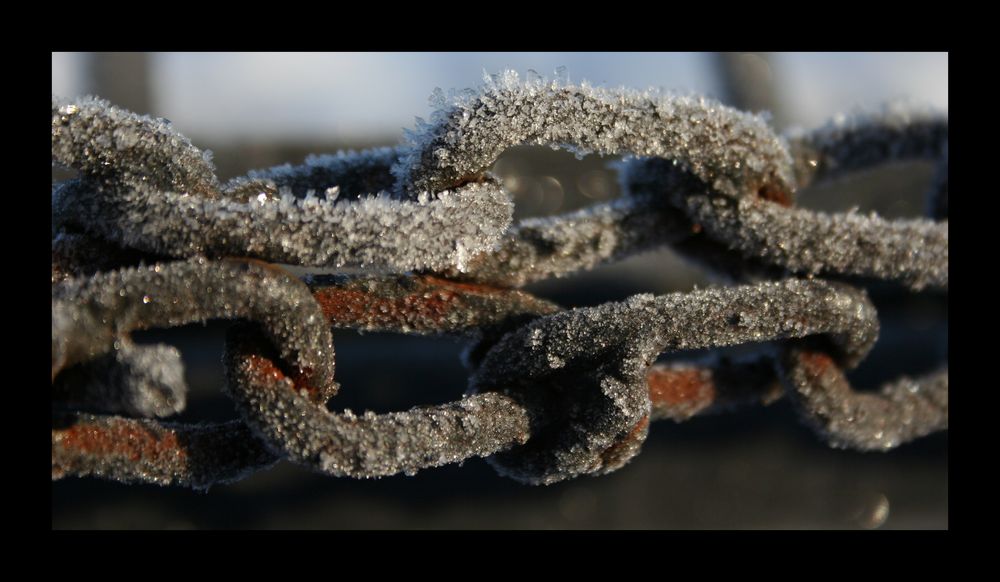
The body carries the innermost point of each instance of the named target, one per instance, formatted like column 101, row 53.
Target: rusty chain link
column 146, row 236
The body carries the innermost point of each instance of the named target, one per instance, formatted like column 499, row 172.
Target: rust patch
column 264, row 368
column 475, row 288
column 428, row 303
column 345, row 306
column 266, row 372
column 121, row 438
column 351, row 308
column 816, row 364
column 422, row 303
column 773, row 193
column 619, row 452
column 672, row 388
column 433, row 304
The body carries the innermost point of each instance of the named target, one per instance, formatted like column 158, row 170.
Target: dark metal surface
column 276, row 393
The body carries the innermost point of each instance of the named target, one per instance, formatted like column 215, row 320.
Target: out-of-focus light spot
column 512, row 183
column 596, row 185
column 757, row 65
column 528, row 195
column 552, row 195
column 873, row 513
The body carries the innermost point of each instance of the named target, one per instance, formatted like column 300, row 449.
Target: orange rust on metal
column 434, row 299
column 120, row 438
column 345, row 306
column 614, row 454
column 435, row 304
column 264, row 368
column 268, row 373
column 428, row 302
column 775, row 194
column 475, row 288
column 349, row 307
column 816, row 364
column 673, row 388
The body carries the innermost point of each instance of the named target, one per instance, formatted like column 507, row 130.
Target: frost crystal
column 587, row 406
column 302, row 429
column 140, row 197
column 553, row 393
column 848, row 143
column 135, row 380
column 146, row 451
column 899, row 412
column 722, row 146
column 89, row 316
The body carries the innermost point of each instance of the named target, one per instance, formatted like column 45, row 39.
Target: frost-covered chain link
column 144, row 186
column 553, row 393
column 582, row 374
column 719, row 171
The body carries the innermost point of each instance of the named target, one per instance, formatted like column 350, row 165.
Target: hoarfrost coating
column 276, row 214
column 710, row 167
column 553, row 393
column 582, row 374
column 726, row 148
column 185, row 211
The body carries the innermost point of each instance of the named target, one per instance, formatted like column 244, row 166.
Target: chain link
column 146, row 235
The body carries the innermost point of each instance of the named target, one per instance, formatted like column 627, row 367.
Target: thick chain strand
column 146, row 237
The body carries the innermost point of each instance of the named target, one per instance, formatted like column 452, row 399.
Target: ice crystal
column 898, row 412
column 724, row 147
column 553, row 393
column 91, row 315
column 135, row 380
column 146, row 451
column 587, row 406
column 343, row 444
column 169, row 202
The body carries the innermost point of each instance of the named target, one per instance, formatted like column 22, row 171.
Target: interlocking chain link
column 146, row 236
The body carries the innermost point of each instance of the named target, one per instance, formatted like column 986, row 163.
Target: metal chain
column 146, row 237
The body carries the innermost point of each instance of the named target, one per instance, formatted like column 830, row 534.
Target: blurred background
column 756, row 467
